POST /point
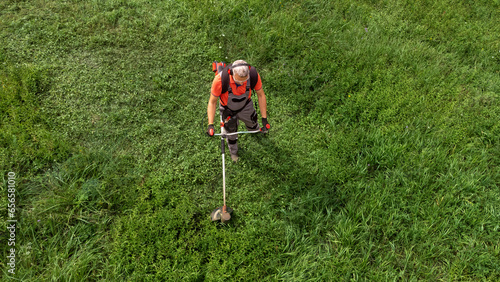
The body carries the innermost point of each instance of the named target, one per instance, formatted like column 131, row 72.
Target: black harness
column 235, row 103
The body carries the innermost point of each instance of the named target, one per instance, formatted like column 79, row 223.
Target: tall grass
column 381, row 164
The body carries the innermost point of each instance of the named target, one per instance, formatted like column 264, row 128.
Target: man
column 236, row 104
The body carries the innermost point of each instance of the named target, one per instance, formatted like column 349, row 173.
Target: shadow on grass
column 287, row 188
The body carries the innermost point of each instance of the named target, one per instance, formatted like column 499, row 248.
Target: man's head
column 240, row 74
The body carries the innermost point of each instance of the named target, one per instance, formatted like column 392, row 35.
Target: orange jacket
column 237, row 89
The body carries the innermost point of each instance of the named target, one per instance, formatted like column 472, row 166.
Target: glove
column 265, row 126
column 210, row 130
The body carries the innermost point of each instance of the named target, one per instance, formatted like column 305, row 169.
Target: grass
column 381, row 164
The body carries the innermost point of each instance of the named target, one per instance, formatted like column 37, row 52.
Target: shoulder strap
column 222, row 69
column 224, row 78
column 254, row 76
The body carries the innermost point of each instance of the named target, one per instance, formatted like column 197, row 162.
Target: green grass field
column 382, row 162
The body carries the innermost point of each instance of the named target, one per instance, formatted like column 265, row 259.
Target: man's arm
column 211, row 108
column 262, row 102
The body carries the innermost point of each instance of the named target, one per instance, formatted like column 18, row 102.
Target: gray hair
column 241, row 71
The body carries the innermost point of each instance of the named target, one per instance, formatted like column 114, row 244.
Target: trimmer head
column 220, row 214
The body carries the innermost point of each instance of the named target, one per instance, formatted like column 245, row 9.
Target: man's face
column 238, row 79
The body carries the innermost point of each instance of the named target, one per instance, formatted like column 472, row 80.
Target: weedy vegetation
column 382, row 162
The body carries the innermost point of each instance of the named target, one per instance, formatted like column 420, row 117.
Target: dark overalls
column 239, row 107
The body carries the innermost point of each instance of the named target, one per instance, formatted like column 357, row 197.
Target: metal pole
column 223, row 149
column 223, row 172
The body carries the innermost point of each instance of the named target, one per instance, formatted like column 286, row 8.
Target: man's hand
column 210, row 130
column 265, row 126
